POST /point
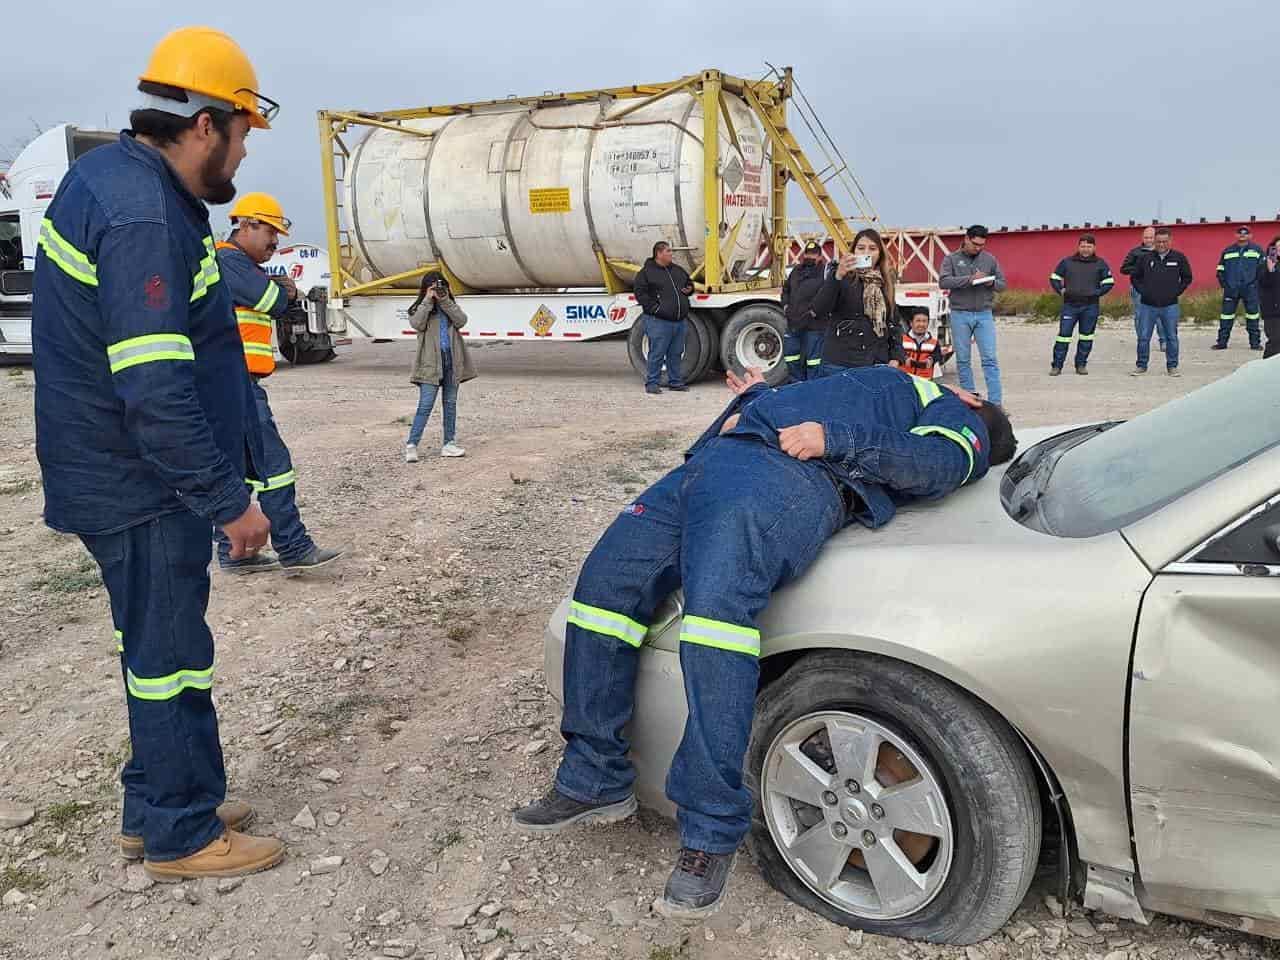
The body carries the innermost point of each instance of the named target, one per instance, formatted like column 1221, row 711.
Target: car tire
column 753, row 338
column 977, row 763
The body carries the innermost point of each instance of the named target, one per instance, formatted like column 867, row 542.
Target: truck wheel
column 700, row 325
column 890, row 801
column 300, row 356
column 695, row 344
column 753, row 338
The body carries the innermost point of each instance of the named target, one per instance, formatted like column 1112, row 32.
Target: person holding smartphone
column 1269, row 288
column 441, row 365
column 857, row 295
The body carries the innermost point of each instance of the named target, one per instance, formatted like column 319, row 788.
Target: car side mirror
column 1271, row 535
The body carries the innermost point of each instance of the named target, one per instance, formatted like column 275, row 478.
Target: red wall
column 1029, row 256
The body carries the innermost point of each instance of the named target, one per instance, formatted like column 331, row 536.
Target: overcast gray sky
column 999, row 111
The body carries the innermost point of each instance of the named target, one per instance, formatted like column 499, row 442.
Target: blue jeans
column 802, row 352
column 427, row 400
column 713, row 526
column 1165, row 319
column 157, row 578
column 979, row 325
column 1084, row 314
column 666, row 346
column 1252, row 315
column 278, row 495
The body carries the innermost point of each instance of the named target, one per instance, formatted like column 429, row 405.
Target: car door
column 1204, row 727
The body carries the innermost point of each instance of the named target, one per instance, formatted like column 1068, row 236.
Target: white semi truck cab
column 26, row 190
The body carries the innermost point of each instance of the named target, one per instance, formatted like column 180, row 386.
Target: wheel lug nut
column 852, row 786
column 829, row 798
column 840, row 830
column 868, row 838
column 877, row 811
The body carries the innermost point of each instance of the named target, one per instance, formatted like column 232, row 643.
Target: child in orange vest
column 923, row 351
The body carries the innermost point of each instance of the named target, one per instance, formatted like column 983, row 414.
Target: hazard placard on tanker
column 549, row 200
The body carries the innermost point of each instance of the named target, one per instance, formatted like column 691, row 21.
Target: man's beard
column 216, row 189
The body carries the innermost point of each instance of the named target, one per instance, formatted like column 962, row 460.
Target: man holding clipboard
column 973, row 277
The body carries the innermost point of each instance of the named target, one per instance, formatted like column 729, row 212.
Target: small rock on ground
column 399, row 948
column 322, row 865
column 457, row 918
column 328, row 775
column 378, row 863
column 227, row 884
column 305, row 819
column 14, row 815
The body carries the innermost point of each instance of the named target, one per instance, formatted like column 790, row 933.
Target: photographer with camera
column 1269, row 291
column 441, row 364
column 258, row 222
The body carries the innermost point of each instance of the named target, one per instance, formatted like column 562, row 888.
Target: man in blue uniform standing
column 145, row 428
column 841, row 449
column 258, row 221
column 1238, row 277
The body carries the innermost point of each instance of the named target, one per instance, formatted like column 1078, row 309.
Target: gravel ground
column 384, row 717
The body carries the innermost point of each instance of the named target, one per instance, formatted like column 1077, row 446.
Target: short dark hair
column 1087, row 238
column 1000, row 431
column 166, row 128
column 1163, row 232
column 660, row 246
column 977, row 230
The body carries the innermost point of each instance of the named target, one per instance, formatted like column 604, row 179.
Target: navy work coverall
column 145, row 436
column 1238, row 277
column 1081, row 282
column 259, row 299
column 733, row 523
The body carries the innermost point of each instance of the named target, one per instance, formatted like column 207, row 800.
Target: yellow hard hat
column 207, row 62
column 263, row 207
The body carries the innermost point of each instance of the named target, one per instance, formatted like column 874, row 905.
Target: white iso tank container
column 512, row 197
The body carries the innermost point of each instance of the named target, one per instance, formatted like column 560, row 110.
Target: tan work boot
column 234, row 814
column 231, row 855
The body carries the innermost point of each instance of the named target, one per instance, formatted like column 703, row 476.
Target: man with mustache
column 146, row 431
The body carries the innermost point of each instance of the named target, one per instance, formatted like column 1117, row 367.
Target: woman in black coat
column 863, row 329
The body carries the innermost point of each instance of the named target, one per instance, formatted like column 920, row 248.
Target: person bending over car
column 846, row 448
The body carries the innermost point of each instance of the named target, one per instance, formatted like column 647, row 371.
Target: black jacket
column 1269, row 291
column 798, row 293
column 1131, row 259
column 1161, row 280
column 1082, row 279
column 851, row 339
column 660, row 291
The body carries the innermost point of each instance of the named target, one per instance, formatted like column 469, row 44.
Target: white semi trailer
column 540, row 210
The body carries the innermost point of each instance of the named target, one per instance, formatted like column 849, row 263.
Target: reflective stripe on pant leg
column 168, row 687
column 721, row 635
column 119, row 638
column 607, row 623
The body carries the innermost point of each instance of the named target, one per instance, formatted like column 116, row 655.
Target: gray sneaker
column 258, row 563
column 556, row 812
column 313, row 559
column 697, row 885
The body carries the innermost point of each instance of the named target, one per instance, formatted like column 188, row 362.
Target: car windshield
column 1109, row 478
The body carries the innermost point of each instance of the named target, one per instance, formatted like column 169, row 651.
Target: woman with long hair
column 863, row 329
column 1269, row 295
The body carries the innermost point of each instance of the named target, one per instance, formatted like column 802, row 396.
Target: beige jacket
column 426, row 368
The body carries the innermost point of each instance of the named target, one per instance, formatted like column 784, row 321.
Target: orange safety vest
column 921, row 357
column 255, row 328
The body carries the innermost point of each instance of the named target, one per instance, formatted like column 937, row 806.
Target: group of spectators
column 1159, row 275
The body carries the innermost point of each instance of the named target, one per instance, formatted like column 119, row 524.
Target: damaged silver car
column 1081, row 651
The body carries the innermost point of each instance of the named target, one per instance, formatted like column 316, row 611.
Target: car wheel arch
column 780, row 658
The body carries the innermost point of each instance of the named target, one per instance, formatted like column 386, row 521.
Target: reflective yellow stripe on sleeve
column 155, row 346
column 66, row 257
column 269, row 298
column 927, row 390
column 952, row 436
column 208, row 273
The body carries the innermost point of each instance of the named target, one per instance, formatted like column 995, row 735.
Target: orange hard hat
column 263, row 207
column 207, row 62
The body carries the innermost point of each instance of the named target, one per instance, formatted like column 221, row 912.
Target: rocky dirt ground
column 384, row 717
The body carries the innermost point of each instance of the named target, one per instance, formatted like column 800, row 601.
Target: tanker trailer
column 540, row 210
